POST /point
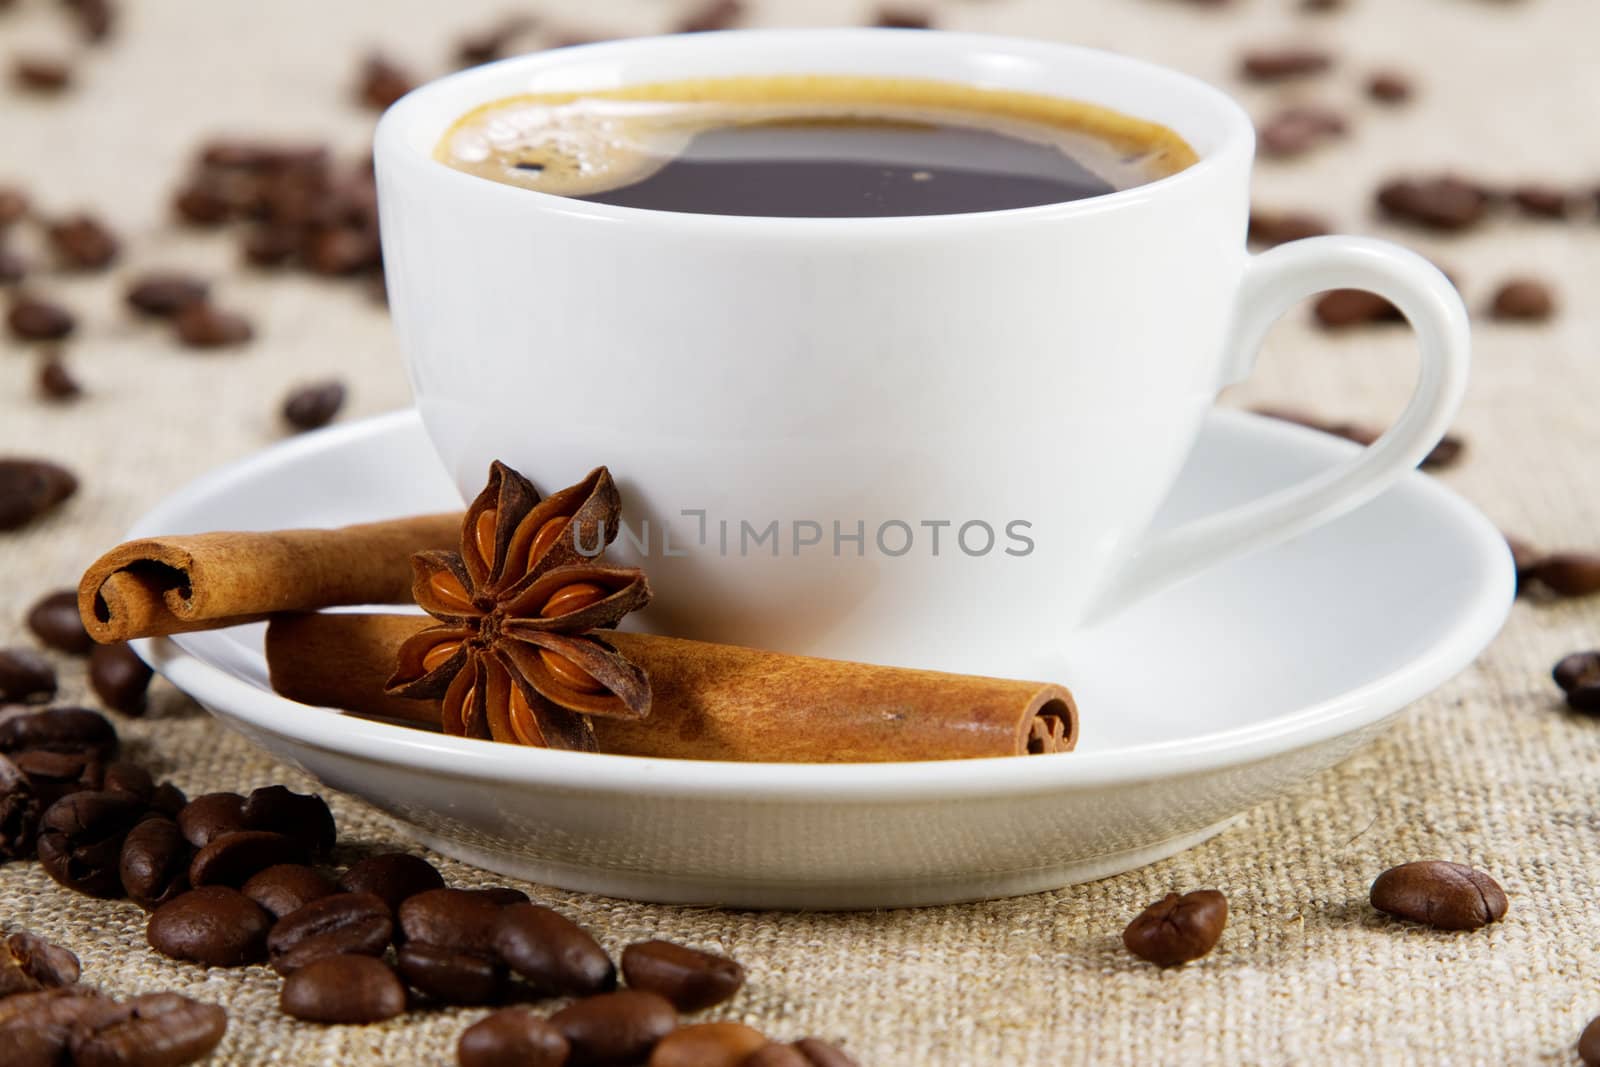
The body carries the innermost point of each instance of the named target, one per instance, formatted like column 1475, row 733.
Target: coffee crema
column 811, row 146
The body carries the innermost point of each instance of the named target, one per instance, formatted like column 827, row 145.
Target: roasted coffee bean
column 452, row 918
column 260, row 156
column 164, row 293
column 711, row 15
column 1568, row 573
column 332, row 925
column 903, row 18
column 1522, row 300
column 40, row 73
column 1177, row 929
column 555, row 954
column 1280, row 64
column 1446, row 896
column 30, row 489
column 492, row 43
column 287, row 887
column 614, row 1028
column 95, row 18
column 502, row 895
column 707, row 1045
column 203, row 325
column 1589, row 1043
column 382, row 82
column 1340, row 309
column 1542, row 201
column 59, row 730
column 29, row 963
column 19, row 813
column 53, row 775
column 341, row 250
column 1275, row 228
column 1444, row 203
column 130, row 778
column 693, row 980
column 1389, row 87
column 151, row 1030
column 394, row 876
column 819, row 1053
column 54, row 620
column 119, row 677
column 1578, row 675
column 211, row 815
column 25, row 677
column 13, row 205
column 154, row 864
column 310, row 407
column 168, row 800
column 33, row 319
column 231, row 859
column 343, row 989
column 200, row 203
column 36, row 1029
column 270, row 246
column 511, row 1037
column 80, row 840
column 1296, row 130
column 302, row 816
column 82, row 242
column 449, row 975
column 13, row 268
column 213, row 925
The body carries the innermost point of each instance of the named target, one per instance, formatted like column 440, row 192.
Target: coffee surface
column 812, row 146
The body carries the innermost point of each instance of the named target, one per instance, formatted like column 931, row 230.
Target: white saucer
column 1196, row 705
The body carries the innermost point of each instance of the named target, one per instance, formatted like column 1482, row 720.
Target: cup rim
column 395, row 152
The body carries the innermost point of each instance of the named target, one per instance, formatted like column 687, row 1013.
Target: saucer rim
column 235, row 700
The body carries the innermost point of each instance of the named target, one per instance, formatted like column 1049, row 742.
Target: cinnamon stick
column 168, row 585
column 714, row 701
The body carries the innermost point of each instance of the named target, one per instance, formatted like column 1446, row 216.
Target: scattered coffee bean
column 1588, row 1043
column 202, row 325
column 511, row 1037
column 1281, row 64
column 343, row 989
column 82, row 242
column 819, row 1053
column 37, row 1029
column 59, row 730
column 1389, row 87
column 211, row 815
column 53, row 775
column 451, row 976
column 163, row 1029
column 31, row 489
column 95, row 18
column 32, row 319
column 200, row 203
column 154, row 863
column 1542, row 201
column 1446, row 896
column 25, row 677
column 492, row 43
column 555, row 954
column 13, row 268
column 455, row 918
column 80, row 840
column 231, row 859
column 39, row 73
column 310, row 407
column 382, row 82
column 903, row 18
column 19, row 813
column 164, row 293
column 168, row 800
column 1523, row 300
column 304, row 817
column 1322, row 7
column 1444, row 203
column 394, row 876
column 287, row 887
column 270, row 246
column 119, row 677
column 341, row 251
column 213, row 925
column 614, row 1028
column 29, row 963
column 1177, row 929
column 693, row 980
column 707, row 1045
column 1568, row 574
column 1578, row 675
column 1340, row 309
column 130, row 778
column 55, row 382
column 1296, row 130
column 13, row 205
column 711, row 15
column 1275, row 228
column 328, row 926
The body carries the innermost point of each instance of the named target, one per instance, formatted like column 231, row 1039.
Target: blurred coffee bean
column 55, row 383
column 211, row 815
column 1522, row 300
column 82, row 242
column 19, row 813
column 341, row 250
column 310, row 407
column 13, row 268
column 80, row 840
column 1340, row 309
column 894, row 17
column 95, row 18
column 32, row 319
column 1296, row 130
column 37, row 1028
column 1589, row 1043
column 493, row 42
column 393, row 876
column 1578, row 675
column 150, row 1030
column 707, row 1045
column 343, row 989
column 154, row 863
column 453, row 918
column 1445, row 203
column 1269, row 228
column 449, row 975
column 122, row 776
column 213, row 925
column 36, row 72
column 329, row 926
column 163, row 293
column 614, row 1028
column 13, row 205
column 304, row 817
column 119, row 677
column 201, row 203
column 1542, row 201
column 203, row 325
column 60, row 730
column 29, row 963
column 1178, row 929
column 1389, row 87
column 693, row 980
column 1281, row 64
column 231, row 859
column 260, row 156
column 511, row 1037
column 270, row 246
column 31, row 489
column 1446, row 896
column 554, row 954
column 26, row 677
column 711, row 15
column 53, row 775
column 819, row 1053
column 287, row 887
column 168, row 800
column 382, row 82
column 1568, row 573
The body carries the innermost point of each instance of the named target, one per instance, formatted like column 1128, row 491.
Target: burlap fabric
column 1488, row 770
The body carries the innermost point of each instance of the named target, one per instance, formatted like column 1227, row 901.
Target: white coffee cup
column 1032, row 379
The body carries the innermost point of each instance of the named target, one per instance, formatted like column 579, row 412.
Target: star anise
column 514, row 657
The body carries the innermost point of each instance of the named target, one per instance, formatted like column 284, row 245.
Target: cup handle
column 1273, row 282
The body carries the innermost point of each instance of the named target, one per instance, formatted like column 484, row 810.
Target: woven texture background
column 1489, row 770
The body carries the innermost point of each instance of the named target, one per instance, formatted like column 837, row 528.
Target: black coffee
column 812, row 147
